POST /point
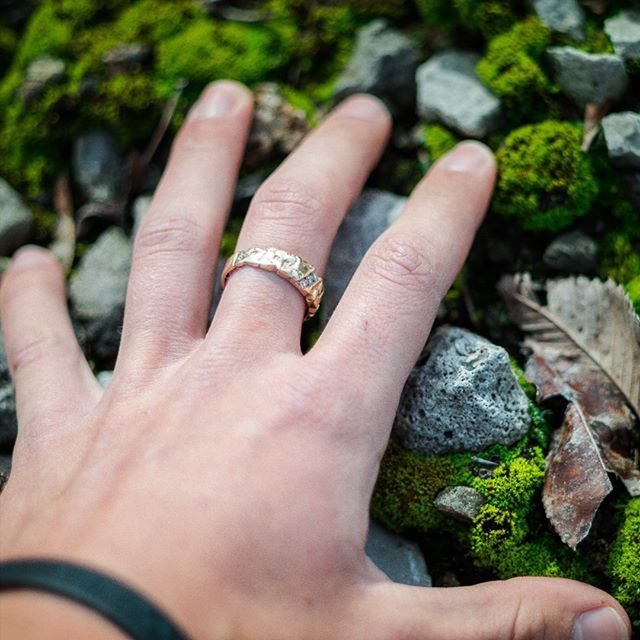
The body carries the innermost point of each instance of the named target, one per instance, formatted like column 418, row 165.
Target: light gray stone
column 562, row 16
column 624, row 32
column 383, row 63
column 573, row 252
column 449, row 91
column 371, row 214
column 127, row 55
column 16, row 220
column 592, row 78
column 97, row 166
column 400, row 559
column 622, row 137
column 104, row 378
column 139, row 209
column 41, row 73
column 461, row 503
column 462, row 396
column 98, row 291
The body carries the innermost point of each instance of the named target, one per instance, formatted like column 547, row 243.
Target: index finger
column 383, row 320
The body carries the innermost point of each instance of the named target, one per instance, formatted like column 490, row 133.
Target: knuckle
column 401, row 263
column 168, row 234
column 287, row 202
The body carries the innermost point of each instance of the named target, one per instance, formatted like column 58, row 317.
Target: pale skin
column 224, row 474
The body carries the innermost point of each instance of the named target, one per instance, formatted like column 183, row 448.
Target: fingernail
column 220, row 99
column 600, row 624
column 29, row 256
column 366, row 107
column 467, row 156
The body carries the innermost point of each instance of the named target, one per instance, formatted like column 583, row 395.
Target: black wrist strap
column 125, row 608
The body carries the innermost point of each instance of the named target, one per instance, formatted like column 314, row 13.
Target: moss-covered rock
column 545, row 180
column 512, row 69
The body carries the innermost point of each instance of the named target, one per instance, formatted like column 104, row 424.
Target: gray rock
column 97, row 166
column 140, row 206
column 371, row 214
column 16, row 220
column 461, row 503
column 127, row 55
column 384, row 63
column 624, row 32
column 563, row 16
column 573, row 252
column 98, row 291
column 463, row 396
column 400, row 559
column 622, row 137
column 40, row 74
column 104, row 378
column 449, row 91
column 4, row 365
column 589, row 77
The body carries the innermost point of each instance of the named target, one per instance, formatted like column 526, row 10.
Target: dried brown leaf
column 586, row 349
column 574, row 457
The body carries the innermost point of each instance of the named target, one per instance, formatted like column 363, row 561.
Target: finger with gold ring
column 292, row 268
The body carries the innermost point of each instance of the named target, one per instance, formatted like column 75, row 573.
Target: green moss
column 438, row 140
column 206, row 50
column 624, row 562
column 545, row 180
column 633, row 291
column 487, row 17
column 621, row 259
column 408, row 483
column 511, row 69
column 300, row 100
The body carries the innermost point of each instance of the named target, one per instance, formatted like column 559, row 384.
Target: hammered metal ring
column 290, row 267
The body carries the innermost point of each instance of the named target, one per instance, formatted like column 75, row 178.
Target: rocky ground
column 92, row 92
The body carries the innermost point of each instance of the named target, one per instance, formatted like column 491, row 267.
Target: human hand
column 223, row 473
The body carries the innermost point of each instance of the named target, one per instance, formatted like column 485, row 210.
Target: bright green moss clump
column 633, row 291
column 545, row 180
column 624, row 562
column 438, row 140
column 511, row 68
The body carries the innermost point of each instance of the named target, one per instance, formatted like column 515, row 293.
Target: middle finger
column 299, row 209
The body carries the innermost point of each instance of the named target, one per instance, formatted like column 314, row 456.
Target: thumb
column 516, row 609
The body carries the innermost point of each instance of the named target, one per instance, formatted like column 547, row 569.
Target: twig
column 64, row 242
column 593, row 114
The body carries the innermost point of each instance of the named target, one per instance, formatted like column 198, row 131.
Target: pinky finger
column 53, row 380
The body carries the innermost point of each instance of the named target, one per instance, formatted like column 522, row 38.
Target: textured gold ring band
column 296, row 271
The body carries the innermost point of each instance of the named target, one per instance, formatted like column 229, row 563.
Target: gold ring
column 288, row 266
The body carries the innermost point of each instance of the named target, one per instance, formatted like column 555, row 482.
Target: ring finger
column 298, row 209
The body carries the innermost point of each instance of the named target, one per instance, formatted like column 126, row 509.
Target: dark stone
column 461, row 503
column 98, row 291
column 383, row 63
column 371, row 214
column 573, row 252
column 16, row 220
column 400, row 559
column 449, row 91
column 97, row 166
